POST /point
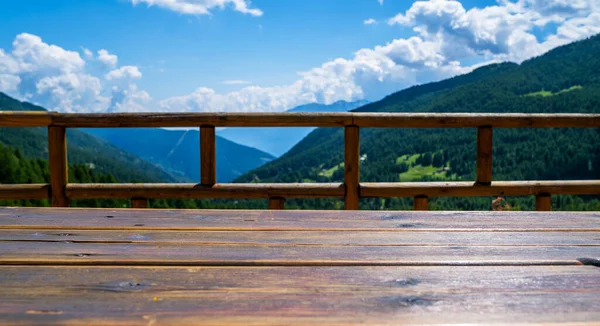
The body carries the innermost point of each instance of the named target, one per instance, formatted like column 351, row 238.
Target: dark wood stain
column 153, row 267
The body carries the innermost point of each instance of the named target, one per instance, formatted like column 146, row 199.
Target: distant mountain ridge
column 277, row 141
column 178, row 151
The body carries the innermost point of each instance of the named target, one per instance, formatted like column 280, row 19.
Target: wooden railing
column 61, row 191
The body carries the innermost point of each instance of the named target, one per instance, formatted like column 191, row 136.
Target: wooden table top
column 164, row 267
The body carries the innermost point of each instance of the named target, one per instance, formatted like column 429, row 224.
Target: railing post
column 208, row 156
column 57, row 156
column 352, row 167
column 139, row 202
column 421, row 203
column 484, row 155
column 543, row 202
column 277, row 203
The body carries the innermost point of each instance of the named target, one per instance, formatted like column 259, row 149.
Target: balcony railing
column 60, row 191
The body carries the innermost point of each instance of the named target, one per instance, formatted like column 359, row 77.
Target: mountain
column 564, row 80
column 83, row 148
column 277, row 141
column 178, row 151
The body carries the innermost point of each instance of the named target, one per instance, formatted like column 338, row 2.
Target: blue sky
column 280, row 53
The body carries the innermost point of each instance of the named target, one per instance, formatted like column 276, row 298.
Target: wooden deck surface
column 163, row 267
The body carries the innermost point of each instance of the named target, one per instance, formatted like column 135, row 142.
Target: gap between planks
column 279, row 229
column 350, row 263
column 258, row 244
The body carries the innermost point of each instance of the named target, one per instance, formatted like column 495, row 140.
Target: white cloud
column 109, row 60
column 370, row 21
column 380, row 2
column 502, row 32
column 201, row 7
column 236, row 82
column 125, row 72
column 446, row 34
column 73, row 92
column 58, row 79
column 129, row 99
column 49, row 75
column 9, row 83
column 372, row 73
column 87, row 53
column 31, row 55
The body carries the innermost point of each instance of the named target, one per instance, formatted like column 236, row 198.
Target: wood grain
column 332, row 190
column 484, row 155
column 198, row 119
column 298, row 295
column 277, row 203
column 421, row 203
column 24, row 191
column 57, row 159
column 470, row 189
column 308, row 238
column 150, row 254
column 474, row 120
column 139, row 203
column 543, row 202
column 352, row 167
column 25, row 119
column 231, row 190
column 371, row 120
column 151, row 267
column 208, row 156
column 232, row 220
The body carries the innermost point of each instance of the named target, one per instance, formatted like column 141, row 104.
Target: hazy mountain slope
column 566, row 79
column 178, row 151
column 277, row 141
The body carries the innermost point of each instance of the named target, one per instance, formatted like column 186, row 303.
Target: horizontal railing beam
column 24, row 191
column 227, row 190
column 368, row 120
column 471, row 189
column 25, row 119
column 304, row 190
column 203, row 119
column 474, row 120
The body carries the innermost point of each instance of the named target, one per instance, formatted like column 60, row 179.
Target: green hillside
column 83, row 148
column 569, row 80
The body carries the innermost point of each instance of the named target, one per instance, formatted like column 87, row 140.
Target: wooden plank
column 208, row 156
column 57, row 157
column 24, row 191
column 308, row 238
column 484, row 155
column 293, row 295
column 240, row 190
column 470, row 189
column 25, row 119
column 151, row 254
column 381, row 120
column 139, row 203
column 276, row 203
column 421, row 203
column 352, row 167
column 332, row 190
column 543, row 202
column 196, row 119
column 474, row 120
column 232, row 220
